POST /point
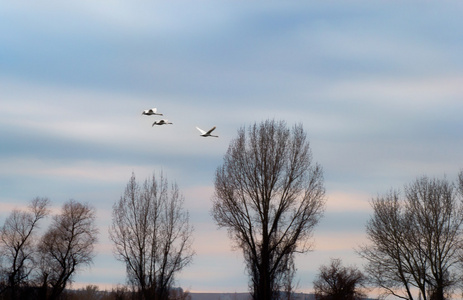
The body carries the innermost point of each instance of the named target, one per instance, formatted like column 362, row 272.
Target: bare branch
column 269, row 196
column 336, row 282
column 416, row 239
column 17, row 244
column 151, row 235
column 66, row 246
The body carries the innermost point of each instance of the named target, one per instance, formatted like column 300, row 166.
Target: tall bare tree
column 18, row 245
column 152, row 235
column 416, row 239
column 67, row 246
column 269, row 195
column 337, row 282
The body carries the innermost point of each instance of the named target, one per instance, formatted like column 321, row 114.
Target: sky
column 377, row 86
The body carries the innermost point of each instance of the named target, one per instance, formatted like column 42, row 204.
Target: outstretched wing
column 200, row 130
column 210, row 130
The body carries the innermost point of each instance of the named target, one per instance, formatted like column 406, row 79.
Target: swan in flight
column 208, row 133
column 161, row 122
column 151, row 111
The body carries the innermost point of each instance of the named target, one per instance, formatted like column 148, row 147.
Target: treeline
column 34, row 266
column 269, row 195
column 92, row 292
column 150, row 232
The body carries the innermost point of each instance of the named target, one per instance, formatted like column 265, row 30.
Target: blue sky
column 377, row 85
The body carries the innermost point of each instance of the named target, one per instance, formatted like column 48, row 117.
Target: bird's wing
column 210, row 130
column 153, row 110
column 200, row 130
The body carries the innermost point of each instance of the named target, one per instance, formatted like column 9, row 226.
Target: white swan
column 151, row 111
column 208, row 133
column 161, row 122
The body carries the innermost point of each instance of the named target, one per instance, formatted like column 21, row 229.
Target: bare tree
column 416, row 239
column 152, row 235
column 336, row 282
column 269, row 195
column 67, row 246
column 17, row 245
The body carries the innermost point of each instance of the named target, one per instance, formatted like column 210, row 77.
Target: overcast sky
column 377, row 85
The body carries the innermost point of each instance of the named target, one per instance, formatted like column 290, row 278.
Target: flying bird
column 161, row 122
column 208, row 133
column 151, row 111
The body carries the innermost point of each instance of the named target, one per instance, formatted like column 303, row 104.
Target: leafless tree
column 67, row 246
column 18, row 245
column 416, row 239
column 269, row 195
column 152, row 235
column 337, row 282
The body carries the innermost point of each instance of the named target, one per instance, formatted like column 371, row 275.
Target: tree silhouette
column 151, row 235
column 269, row 195
column 416, row 239
column 18, row 245
column 336, row 282
column 65, row 247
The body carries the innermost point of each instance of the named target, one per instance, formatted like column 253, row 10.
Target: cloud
column 339, row 241
column 73, row 170
column 345, row 202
